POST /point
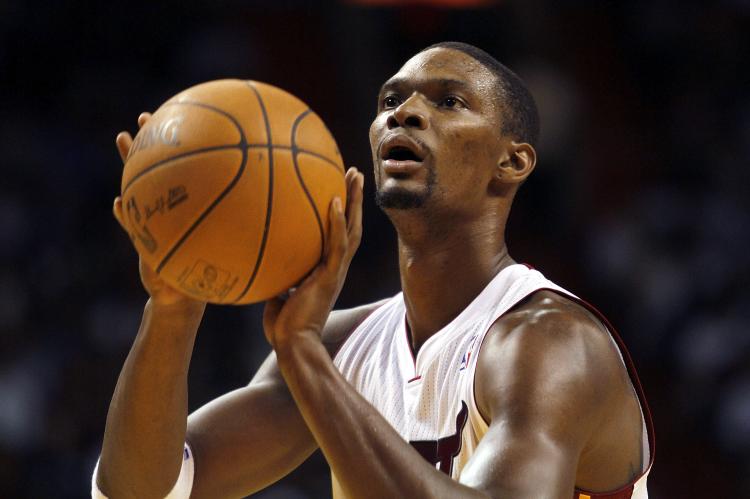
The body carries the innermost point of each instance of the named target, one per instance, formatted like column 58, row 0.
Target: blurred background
column 639, row 202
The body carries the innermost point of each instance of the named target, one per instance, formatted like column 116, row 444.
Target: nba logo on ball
column 226, row 191
column 207, row 281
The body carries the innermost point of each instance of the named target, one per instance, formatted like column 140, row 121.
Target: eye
column 451, row 102
column 391, row 101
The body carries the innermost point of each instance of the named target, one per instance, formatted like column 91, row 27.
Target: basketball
column 226, row 191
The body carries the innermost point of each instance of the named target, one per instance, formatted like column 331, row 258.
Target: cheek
column 468, row 162
column 476, row 150
column 372, row 135
column 470, row 143
column 469, row 156
column 376, row 129
column 375, row 134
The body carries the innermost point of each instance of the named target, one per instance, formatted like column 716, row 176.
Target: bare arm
column 253, row 436
column 544, row 382
column 145, row 430
column 241, row 441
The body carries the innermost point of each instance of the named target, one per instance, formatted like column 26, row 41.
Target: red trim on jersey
column 415, row 378
column 626, row 491
column 407, row 331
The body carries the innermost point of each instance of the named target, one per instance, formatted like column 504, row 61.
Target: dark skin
column 550, row 383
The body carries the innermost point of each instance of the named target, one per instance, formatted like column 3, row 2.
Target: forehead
column 448, row 66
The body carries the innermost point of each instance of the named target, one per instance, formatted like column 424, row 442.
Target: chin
column 399, row 198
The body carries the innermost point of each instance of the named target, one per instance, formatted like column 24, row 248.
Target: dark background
column 639, row 202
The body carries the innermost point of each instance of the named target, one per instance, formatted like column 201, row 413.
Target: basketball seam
column 194, row 152
column 231, row 118
column 297, row 121
column 300, row 150
column 267, row 225
column 184, row 155
column 221, row 196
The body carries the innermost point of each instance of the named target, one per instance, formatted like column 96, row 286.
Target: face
column 436, row 138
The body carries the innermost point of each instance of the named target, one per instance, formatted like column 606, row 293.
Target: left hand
column 306, row 310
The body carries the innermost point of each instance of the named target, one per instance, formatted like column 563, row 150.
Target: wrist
column 291, row 348
column 173, row 298
column 184, row 311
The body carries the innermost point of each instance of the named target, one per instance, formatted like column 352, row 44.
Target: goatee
column 403, row 199
column 400, row 199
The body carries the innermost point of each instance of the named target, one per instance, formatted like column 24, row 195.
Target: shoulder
column 341, row 323
column 546, row 353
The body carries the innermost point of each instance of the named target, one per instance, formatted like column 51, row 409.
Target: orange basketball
column 226, row 190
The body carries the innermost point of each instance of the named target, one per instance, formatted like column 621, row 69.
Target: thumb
column 117, row 212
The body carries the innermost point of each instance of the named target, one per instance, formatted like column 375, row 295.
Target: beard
column 400, row 199
column 403, row 199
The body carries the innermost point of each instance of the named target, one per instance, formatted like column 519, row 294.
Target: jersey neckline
column 501, row 282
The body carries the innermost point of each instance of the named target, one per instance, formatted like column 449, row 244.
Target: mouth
column 401, row 155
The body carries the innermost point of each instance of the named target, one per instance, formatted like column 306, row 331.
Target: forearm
column 146, row 423
column 367, row 455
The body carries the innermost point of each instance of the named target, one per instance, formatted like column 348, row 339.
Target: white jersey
column 429, row 400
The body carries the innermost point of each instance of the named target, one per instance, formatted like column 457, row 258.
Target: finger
column 123, row 141
column 150, row 274
column 351, row 172
column 117, row 212
column 353, row 186
column 354, row 214
column 143, row 118
column 351, row 181
column 337, row 237
column 354, row 218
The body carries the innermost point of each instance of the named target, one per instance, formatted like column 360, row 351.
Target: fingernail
column 337, row 203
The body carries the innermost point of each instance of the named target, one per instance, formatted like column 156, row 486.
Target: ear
column 516, row 163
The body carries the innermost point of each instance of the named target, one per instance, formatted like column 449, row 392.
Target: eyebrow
column 395, row 83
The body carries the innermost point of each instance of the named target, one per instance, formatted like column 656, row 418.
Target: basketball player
column 482, row 379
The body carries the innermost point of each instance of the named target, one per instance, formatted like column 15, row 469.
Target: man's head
column 454, row 128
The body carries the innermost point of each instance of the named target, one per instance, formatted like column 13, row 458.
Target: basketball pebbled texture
column 226, row 190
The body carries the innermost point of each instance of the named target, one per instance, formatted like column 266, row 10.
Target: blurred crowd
column 639, row 204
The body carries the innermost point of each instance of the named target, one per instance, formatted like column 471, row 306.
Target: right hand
column 159, row 291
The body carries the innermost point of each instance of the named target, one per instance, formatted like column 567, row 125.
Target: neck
column 443, row 271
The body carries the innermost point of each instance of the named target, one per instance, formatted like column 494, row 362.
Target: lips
column 401, row 148
column 401, row 154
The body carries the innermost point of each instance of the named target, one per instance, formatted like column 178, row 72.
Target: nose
column 408, row 115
